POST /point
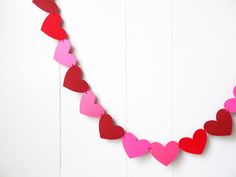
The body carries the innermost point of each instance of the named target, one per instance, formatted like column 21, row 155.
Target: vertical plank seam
column 60, row 159
column 172, row 74
column 126, row 79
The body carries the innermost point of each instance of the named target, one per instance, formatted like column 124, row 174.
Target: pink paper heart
column 62, row 54
column 230, row 104
column 134, row 147
column 89, row 107
column 165, row 154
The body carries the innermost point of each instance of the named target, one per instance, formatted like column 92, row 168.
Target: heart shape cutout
column 52, row 27
column 108, row 130
column 62, row 54
column 230, row 104
column 134, row 147
column 165, row 154
column 222, row 126
column 47, row 5
column 88, row 106
column 73, row 80
column 194, row 145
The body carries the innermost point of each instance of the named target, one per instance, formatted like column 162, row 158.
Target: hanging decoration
column 165, row 154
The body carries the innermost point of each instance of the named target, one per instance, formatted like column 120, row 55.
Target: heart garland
column 88, row 106
column 230, row 104
column 165, row 154
column 108, row 130
column 222, row 126
column 196, row 144
column 62, row 54
column 134, row 147
column 73, row 80
column 52, row 27
column 47, row 5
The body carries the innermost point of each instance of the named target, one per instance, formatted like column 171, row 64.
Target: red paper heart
column 108, row 130
column 196, row 144
column 52, row 27
column 73, row 80
column 222, row 126
column 47, row 5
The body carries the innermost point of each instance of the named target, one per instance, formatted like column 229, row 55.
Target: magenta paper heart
column 230, row 104
column 89, row 107
column 165, row 154
column 134, row 147
column 62, row 54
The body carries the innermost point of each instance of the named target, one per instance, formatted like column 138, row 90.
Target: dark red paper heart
column 108, row 130
column 73, row 80
column 196, row 144
column 47, row 5
column 222, row 126
column 52, row 27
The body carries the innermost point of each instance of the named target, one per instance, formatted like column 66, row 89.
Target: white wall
column 161, row 68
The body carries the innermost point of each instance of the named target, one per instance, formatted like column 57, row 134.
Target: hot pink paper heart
column 165, row 154
column 230, row 104
column 89, row 107
column 134, row 147
column 62, row 54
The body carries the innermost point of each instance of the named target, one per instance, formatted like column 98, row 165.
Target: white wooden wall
column 161, row 68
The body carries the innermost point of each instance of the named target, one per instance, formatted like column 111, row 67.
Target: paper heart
column 196, row 144
column 73, row 80
column 134, row 147
column 108, row 130
column 230, row 104
column 47, row 5
column 222, row 126
column 52, row 27
column 62, row 54
column 88, row 106
column 165, row 154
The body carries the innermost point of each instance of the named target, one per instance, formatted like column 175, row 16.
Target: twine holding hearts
column 108, row 129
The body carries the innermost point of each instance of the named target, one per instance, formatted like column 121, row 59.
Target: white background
column 161, row 68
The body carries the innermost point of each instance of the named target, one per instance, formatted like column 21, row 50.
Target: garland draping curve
column 165, row 154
